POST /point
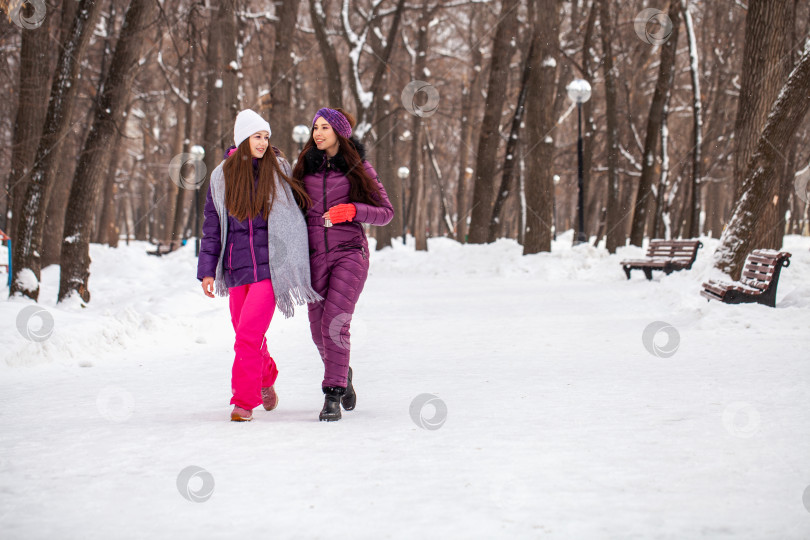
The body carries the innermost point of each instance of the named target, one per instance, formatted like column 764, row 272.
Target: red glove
column 342, row 212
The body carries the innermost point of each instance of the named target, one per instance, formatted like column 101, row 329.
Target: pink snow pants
column 252, row 308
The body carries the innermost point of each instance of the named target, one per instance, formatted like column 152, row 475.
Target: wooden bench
column 665, row 255
column 758, row 282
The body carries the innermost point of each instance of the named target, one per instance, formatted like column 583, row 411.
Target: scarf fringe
column 296, row 296
column 219, row 288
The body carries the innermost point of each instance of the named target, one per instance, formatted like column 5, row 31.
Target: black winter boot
column 349, row 399
column 331, row 403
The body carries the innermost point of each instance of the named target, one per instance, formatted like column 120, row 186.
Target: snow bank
column 136, row 296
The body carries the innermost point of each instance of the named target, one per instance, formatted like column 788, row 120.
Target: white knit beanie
column 247, row 123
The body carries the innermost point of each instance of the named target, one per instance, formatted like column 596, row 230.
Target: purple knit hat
column 338, row 122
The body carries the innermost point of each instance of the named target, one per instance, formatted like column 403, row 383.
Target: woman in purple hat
column 345, row 193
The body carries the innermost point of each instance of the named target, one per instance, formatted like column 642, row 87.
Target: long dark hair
column 243, row 198
column 364, row 188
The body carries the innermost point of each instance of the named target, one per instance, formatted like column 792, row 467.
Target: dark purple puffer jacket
column 328, row 186
column 246, row 258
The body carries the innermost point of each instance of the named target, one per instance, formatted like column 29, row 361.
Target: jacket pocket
column 352, row 246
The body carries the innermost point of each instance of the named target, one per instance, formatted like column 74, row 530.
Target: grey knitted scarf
column 288, row 244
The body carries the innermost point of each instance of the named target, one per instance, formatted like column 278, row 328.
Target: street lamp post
column 554, row 203
column 579, row 91
column 300, row 135
column 199, row 154
column 403, row 173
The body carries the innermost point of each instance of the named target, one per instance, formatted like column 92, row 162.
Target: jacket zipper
column 252, row 254
column 230, row 259
column 325, row 206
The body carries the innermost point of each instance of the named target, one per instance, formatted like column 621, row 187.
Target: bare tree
column 281, row 75
column 613, row 230
column 766, row 63
column 763, row 173
column 331, row 65
column 32, row 106
column 417, row 205
column 94, row 161
column 697, row 126
column 509, row 162
column 666, row 72
column 26, row 253
column 490, row 135
column 540, row 99
column 221, row 90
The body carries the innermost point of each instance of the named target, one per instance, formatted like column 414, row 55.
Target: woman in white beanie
column 255, row 251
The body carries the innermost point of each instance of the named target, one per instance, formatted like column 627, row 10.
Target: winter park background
column 512, row 383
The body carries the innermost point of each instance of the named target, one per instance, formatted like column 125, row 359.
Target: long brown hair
column 243, row 198
column 364, row 189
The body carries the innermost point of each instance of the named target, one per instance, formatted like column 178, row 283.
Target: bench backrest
column 674, row 249
column 761, row 266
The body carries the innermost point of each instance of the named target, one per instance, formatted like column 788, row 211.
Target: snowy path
column 560, row 424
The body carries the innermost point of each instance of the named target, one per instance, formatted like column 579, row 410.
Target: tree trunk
column 764, row 170
column 542, row 90
column 695, row 203
column 334, row 85
column 221, row 95
column 786, row 187
column 386, row 168
column 508, row 173
column 385, row 131
column 439, row 184
column 472, row 90
column 765, row 65
column 107, row 230
column 281, row 76
column 32, row 106
column 94, row 161
column 489, row 138
column 418, row 202
column 27, row 261
column 613, row 231
column 666, row 74
column 177, row 191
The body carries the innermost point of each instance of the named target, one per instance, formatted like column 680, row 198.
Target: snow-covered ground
column 545, row 412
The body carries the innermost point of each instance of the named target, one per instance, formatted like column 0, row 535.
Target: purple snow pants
column 338, row 276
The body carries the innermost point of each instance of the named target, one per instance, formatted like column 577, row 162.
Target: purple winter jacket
column 246, row 258
column 328, row 186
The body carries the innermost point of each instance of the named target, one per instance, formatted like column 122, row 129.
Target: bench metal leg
column 648, row 273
